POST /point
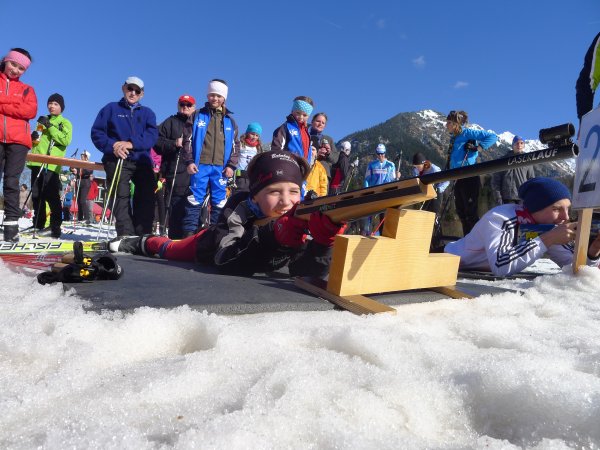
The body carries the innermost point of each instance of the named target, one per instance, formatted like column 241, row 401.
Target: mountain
column 425, row 132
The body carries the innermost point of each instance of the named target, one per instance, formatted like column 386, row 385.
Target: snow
column 515, row 370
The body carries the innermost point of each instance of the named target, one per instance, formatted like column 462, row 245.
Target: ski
column 36, row 261
column 489, row 276
column 48, row 247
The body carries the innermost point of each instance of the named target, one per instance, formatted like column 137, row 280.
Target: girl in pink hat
column 18, row 105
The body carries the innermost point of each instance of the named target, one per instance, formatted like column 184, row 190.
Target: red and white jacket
column 18, row 105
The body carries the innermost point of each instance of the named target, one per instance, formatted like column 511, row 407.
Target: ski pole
column 31, row 190
column 168, row 208
column 116, row 177
column 112, row 208
column 114, row 201
column 43, row 168
column 77, row 190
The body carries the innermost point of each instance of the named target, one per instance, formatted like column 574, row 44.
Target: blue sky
column 512, row 65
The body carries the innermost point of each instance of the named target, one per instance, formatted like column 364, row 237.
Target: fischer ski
column 36, row 247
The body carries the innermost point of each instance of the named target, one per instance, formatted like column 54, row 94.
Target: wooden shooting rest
column 398, row 260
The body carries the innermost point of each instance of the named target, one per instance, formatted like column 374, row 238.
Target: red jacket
column 18, row 105
column 93, row 193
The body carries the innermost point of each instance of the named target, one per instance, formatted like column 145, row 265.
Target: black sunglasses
column 131, row 88
column 184, row 104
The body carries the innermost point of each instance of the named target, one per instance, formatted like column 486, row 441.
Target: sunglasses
column 186, row 105
column 134, row 89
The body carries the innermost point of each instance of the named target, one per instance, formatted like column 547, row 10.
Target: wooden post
column 582, row 241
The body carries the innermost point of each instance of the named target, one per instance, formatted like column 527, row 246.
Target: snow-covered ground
column 497, row 372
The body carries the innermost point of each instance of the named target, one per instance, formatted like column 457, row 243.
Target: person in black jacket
column 589, row 79
column 506, row 184
column 82, row 184
column 240, row 244
column 340, row 170
column 173, row 168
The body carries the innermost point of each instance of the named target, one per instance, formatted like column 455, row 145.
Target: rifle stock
column 364, row 202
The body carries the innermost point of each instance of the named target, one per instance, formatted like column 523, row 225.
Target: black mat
column 166, row 284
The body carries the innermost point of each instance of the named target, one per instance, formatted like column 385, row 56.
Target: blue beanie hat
column 254, row 127
column 541, row 192
column 516, row 139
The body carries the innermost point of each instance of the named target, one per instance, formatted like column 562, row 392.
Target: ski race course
column 175, row 356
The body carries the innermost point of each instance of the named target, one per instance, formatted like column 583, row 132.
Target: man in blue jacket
column 126, row 130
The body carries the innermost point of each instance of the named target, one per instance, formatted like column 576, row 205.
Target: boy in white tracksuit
column 494, row 245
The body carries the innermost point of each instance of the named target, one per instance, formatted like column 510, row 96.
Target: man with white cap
column 210, row 152
column 126, row 130
column 340, row 170
column 379, row 171
column 82, row 180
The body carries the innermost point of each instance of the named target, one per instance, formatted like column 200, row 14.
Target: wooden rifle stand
column 396, row 261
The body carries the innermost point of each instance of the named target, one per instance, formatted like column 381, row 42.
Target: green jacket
column 61, row 133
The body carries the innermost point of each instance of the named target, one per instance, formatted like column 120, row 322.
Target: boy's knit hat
column 346, row 146
column 538, row 193
column 380, row 149
column 273, row 167
column 58, row 99
column 254, row 127
column 419, row 158
column 517, row 139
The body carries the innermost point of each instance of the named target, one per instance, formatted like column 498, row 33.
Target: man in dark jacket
column 506, row 184
column 589, row 79
column 173, row 168
column 126, row 131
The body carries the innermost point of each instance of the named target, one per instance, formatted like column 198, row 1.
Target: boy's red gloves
column 290, row 230
column 323, row 230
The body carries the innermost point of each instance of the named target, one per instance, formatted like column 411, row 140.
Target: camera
column 558, row 135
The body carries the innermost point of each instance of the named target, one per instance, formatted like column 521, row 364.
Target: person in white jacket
column 494, row 244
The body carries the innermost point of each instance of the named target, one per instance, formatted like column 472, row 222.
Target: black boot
column 129, row 244
column 11, row 231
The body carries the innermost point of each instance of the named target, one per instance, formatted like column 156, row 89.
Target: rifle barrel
column 545, row 155
column 366, row 201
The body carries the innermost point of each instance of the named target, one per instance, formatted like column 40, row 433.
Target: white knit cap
column 217, row 87
column 346, row 146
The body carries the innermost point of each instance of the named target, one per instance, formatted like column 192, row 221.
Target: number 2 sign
column 586, row 189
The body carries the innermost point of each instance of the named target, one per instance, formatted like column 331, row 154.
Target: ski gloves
column 472, row 146
column 290, row 231
column 323, row 230
column 45, row 121
column 77, row 267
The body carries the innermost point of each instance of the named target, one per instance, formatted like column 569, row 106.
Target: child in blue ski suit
column 210, row 152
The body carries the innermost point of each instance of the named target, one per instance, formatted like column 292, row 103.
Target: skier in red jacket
column 18, row 105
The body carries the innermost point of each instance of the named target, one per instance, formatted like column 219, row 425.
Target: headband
column 301, row 105
column 216, row 87
column 274, row 167
column 18, row 58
